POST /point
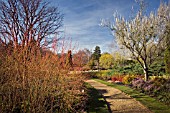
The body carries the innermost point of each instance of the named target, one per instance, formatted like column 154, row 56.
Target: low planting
column 130, row 67
column 102, row 74
column 158, row 88
column 116, row 74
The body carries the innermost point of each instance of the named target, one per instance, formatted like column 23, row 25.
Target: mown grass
column 149, row 102
column 96, row 103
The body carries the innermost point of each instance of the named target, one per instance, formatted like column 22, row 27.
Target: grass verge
column 149, row 102
column 96, row 103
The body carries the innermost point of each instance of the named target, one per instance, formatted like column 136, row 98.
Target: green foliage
column 134, row 68
column 167, row 60
column 129, row 68
column 91, row 64
column 94, row 60
column 164, row 92
column 111, row 72
column 106, row 61
column 157, row 68
column 97, row 53
column 103, row 74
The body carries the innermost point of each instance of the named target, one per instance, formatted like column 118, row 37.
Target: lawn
column 149, row 102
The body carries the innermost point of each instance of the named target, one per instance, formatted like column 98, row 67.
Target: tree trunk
column 146, row 74
column 145, row 69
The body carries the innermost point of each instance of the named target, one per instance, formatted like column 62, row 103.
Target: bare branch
column 27, row 20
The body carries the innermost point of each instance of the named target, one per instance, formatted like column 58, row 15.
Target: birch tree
column 143, row 36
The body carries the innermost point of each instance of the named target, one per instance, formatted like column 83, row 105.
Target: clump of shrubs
column 103, row 74
column 128, row 79
column 158, row 87
column 164, row 92
column 32, row 81
column 117, row 78
column 138, row 83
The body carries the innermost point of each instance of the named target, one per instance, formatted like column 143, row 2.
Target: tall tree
column 26, row 21
column 143, row 35
column 96, row 55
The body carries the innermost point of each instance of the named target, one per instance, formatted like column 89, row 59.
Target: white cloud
column 82, row 19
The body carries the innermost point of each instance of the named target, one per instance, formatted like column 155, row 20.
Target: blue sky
column 82, row 19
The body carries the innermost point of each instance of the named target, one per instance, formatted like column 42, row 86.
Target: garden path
column 118, row 102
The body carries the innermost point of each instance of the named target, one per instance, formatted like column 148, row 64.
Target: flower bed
column 157, row 87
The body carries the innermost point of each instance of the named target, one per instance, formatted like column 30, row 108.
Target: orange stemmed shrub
column 37, row 80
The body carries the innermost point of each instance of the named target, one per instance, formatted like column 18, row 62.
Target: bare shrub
column 33, row 81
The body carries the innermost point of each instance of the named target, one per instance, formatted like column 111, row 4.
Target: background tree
column 106, row 61
column 142, row 36
column 81, row 58
column 96, row 55
column 91, row 64
column 118, row 59
column 88, row 53
column 25, row 21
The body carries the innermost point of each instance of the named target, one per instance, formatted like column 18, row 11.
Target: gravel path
column 118, row 102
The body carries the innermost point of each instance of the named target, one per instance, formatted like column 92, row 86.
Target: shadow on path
column 117, row 101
